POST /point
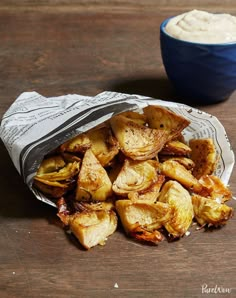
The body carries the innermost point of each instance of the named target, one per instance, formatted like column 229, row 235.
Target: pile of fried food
column 136, row 169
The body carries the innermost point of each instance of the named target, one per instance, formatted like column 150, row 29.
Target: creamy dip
column 204, row 27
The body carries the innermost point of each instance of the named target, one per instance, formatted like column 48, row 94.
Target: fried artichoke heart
column 176, row 148
column 93, row 227
column 204, row 156
column 51, row 164
column 65, row 173
column 103, row 144
column 208, row 211
column 57, row 183
column 93, row 181
column 70, row 157
column 107, row 205
column 135, row 116
column 174, row 194
column 142, row 219
column 150, row 194
column 164, row 119
column 135, row 176
column 184, row 161
column 178, row 172
column 217, row 189
column 78, row 143
column 136, row 141
column 53, row 189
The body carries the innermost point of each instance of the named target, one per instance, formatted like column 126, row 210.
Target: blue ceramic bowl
column 204, row 73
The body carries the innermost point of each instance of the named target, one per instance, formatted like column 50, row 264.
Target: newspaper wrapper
column 34, row 125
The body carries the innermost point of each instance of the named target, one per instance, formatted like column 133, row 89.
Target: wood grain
column 85, row 47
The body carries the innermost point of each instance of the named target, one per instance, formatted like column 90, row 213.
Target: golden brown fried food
column 142, row 234
column 176, row 148
column 164, row 119
column 135, row 176
column 150, row 194
column 184, row 161
column 51, row 164
column 79, row 144
column 136, row 141
column 137, row 166
column 136, row 117
column 178, row 172
column 70, row 157
column 93, row 227
column 141, row 219
column 93, row 181
column 53, row 189
column 204, row 156
column 103, row 144
column 179, row 199
column 208, row 211
column 216, row 188
column 66, row 173
column 56, row 183
column 94, row 206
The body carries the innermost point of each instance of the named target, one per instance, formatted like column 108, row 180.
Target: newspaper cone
column 34, row 125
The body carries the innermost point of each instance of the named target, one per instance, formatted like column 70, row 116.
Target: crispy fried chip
column 162, row 118
column 93, row 181
column 204, row 156
column 137, row 141
column 179, row 199
column 208, row 211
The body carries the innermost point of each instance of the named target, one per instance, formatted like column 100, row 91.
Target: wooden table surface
column 86, row 47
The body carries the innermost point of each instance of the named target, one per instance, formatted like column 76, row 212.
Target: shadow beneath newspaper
column 17, row 201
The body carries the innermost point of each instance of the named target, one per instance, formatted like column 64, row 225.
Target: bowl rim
column 220, row 45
